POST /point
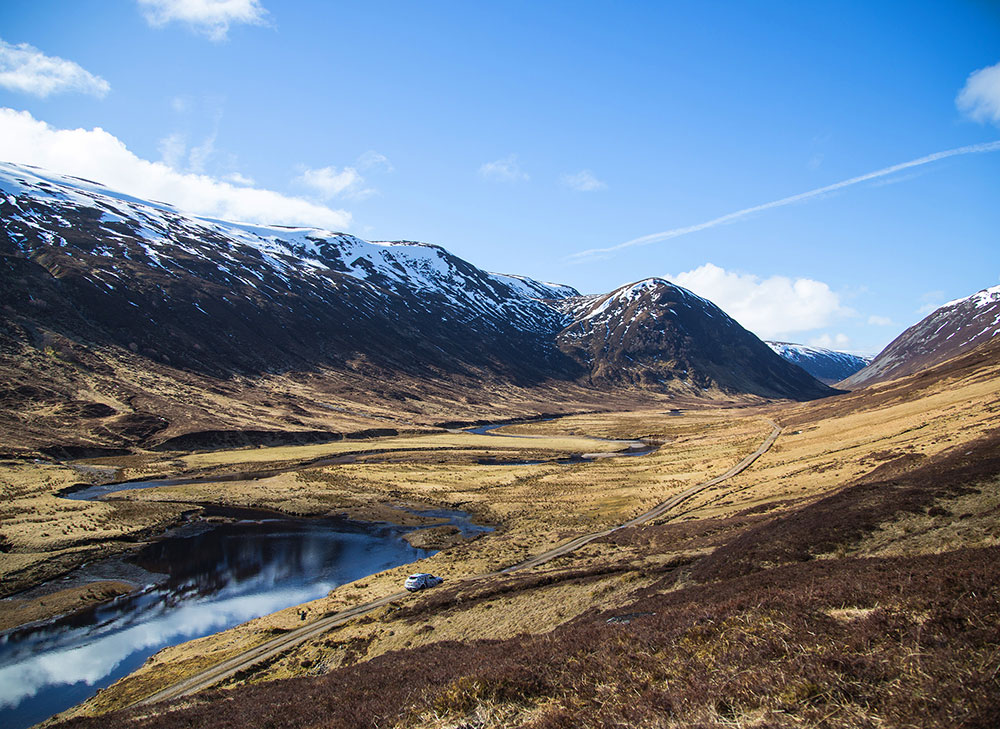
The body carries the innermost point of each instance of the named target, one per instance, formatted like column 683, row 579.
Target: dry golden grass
column 15, row 612
column 438, row 441
column 47, row 535
column 821, row 451
column 535, row 507
column 825, row 446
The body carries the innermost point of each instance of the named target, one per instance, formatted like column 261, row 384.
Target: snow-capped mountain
column 653, row 333
column 90, row 276
column 219, row 296
column 826, row 365
column 951, row 330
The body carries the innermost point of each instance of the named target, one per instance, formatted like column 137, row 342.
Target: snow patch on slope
column 426, row 275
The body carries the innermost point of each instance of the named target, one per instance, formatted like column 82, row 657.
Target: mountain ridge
column 826, row 365
column 952, row 329
column 94, row 281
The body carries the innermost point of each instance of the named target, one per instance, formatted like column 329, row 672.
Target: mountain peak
column 985, row 297
column 653, row 333
column 133, row 280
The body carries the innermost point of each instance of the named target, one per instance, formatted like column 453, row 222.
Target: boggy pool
column 203, row 577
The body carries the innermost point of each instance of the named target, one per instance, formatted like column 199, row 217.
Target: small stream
column 202, row 577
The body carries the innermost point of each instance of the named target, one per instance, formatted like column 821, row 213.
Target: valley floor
column 845, row 579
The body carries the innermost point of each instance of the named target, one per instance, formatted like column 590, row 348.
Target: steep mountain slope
column 655, row 334
column 955, row 328
column 222, row 298
column 133, row 323
column 826, row 365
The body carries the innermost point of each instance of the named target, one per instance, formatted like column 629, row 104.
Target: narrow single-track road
column 271, row 648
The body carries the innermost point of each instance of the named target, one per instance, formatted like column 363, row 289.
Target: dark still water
column 212, row 576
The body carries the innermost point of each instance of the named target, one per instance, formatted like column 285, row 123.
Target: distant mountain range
column 86, row 270
column 953, row 329
column 826, row 365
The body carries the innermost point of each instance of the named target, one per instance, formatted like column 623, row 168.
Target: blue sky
column 520, row 135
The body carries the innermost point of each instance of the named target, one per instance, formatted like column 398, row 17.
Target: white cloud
column 583, row 181
column 505, row 169
column 211, row 17
column 329, row 182
column 26, row 69
column 838, row 341
column 980, row 97
column 97, row 155
column 879, row 321
column 769, row 307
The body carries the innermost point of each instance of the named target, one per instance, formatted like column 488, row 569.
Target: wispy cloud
column 330, row 182
column 583, row 181
column 879, row 321
column 980, row 97
column 97, row 155
column 801, row 197
column 372, row 160
column 209, row 17
column 505, row 169
column 346, row 182
column 239, row 179
column 930, row 301
column 26, row 69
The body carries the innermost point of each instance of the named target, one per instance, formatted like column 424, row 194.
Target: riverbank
column 28, row 609
column 46, row 536
column 221, row 566
column 534, row 505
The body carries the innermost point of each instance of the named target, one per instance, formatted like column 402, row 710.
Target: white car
column 421, row 580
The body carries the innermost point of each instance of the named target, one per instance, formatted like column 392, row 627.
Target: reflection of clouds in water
column 216, row 577
column 91, row 662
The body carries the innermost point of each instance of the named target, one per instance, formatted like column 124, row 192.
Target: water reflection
column 216, row 576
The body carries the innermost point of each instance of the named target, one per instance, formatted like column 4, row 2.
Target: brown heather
column 765, row 650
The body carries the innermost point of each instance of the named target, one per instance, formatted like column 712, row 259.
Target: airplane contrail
column 677, row 232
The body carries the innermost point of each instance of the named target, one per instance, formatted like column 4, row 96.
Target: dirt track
column 210, row 676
